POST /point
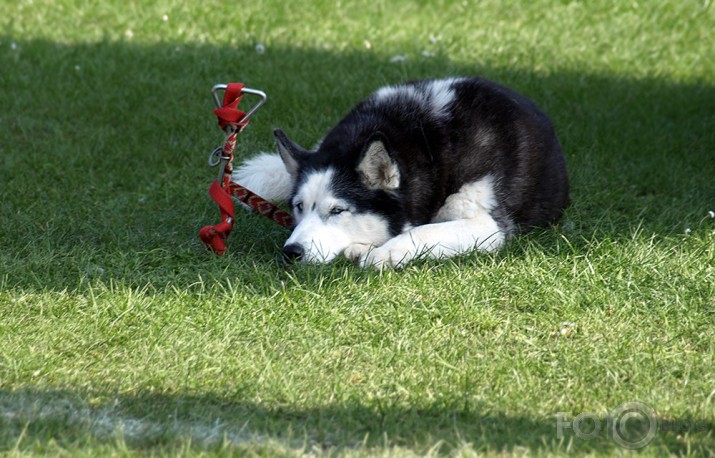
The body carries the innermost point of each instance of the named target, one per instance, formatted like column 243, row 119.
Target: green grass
column 121, row 335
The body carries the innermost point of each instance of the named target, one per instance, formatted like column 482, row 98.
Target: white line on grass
column 106, row 423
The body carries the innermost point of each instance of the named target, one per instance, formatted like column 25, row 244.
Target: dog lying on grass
column 430, row 168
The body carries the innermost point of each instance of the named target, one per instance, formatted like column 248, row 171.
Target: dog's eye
column 337, row 210
column 299, row 206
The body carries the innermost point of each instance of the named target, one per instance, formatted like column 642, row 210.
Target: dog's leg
column 438, row 240
column 464, row 223
column 357, row 250
column 266, row 176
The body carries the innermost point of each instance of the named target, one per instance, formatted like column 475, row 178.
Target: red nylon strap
column 215, row 236
column 229, row 112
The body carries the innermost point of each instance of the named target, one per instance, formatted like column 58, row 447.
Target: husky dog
column 429, row 169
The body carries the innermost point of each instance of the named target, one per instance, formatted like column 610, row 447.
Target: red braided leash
column 261, row 205
column 233, row 121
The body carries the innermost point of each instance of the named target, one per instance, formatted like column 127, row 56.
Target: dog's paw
column 386, row 256
column 356, row 251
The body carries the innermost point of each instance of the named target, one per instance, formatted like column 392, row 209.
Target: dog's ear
column 290, row 152
column 377, row 168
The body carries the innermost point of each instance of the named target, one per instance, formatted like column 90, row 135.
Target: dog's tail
column 266, row 176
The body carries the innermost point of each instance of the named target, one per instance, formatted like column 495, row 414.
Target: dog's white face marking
column 326, row 225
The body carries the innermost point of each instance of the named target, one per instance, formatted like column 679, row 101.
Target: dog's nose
column 293, row 252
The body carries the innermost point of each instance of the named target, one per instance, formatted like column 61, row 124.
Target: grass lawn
column 121, row 335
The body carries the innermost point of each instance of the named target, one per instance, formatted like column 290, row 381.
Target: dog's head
column 344, row 195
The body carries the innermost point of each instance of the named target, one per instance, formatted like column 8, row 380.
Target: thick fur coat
column 429, row 168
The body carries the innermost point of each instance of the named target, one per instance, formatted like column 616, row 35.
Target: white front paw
column 357, row 250
column 388, row 255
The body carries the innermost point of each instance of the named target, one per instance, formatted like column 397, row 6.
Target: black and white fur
column 430, row 168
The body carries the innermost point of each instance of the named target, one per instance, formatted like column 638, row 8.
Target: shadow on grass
column 104, row 150
column 65, row 419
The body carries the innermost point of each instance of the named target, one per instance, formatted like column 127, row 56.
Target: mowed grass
column 121, row 335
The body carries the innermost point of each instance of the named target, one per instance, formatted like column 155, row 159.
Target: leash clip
column 246, row 90
column 234, row 126
column 215, row 156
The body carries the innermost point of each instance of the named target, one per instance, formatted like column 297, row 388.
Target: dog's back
column 448, row 133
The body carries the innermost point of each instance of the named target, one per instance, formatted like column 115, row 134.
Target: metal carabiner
column 216, row 156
